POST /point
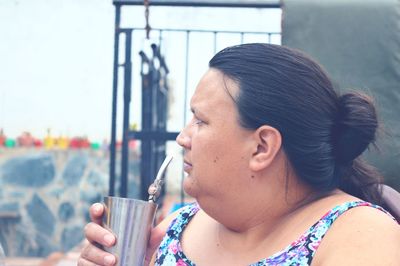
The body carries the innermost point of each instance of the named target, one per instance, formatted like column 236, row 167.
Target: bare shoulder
column 361, row 236
column 164, row 224
column 159, row 232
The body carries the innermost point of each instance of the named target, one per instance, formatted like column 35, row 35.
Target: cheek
column 208, row 140
column 208, row 151
column 207, row 156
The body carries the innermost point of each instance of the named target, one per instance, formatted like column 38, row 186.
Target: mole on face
column 216, row 159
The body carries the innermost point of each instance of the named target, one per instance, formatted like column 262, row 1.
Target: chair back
column 391, row 199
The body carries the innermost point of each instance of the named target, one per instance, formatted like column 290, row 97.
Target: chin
column 189, row 186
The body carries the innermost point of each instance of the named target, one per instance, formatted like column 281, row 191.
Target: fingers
column 92, row 255
column 156, row 236
column 83, row 262
column 97, row 234
column 96, row 213
column 149, row 260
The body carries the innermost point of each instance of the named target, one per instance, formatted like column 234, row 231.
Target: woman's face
column 216, row 151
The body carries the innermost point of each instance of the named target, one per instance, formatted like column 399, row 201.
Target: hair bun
column 356, row 126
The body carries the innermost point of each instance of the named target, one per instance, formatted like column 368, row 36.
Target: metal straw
column 155, row 188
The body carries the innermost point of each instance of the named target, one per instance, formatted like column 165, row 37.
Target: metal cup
column 130, row 220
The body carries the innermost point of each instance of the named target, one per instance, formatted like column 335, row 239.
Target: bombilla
column 155, row 188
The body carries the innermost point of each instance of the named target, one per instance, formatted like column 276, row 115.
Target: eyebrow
column 196, row 111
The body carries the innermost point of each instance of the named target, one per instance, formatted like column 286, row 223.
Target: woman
column 272, row 159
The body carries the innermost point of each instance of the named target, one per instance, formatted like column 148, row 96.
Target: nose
column 183, row 139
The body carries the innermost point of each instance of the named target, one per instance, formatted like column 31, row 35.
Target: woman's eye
column 198, row 121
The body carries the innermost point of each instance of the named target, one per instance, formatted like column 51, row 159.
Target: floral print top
column 300, row 252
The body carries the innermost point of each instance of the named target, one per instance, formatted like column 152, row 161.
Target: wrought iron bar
column 205, row 3
column 185, row 100
column 203, row 31
column 215, row 42
column 114, row 103
column 127, row 99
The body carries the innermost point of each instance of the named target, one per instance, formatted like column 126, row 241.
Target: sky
column 56, row 60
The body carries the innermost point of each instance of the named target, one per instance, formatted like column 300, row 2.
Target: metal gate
column 153, row 133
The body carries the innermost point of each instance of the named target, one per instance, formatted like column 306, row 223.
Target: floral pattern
column 299, row 253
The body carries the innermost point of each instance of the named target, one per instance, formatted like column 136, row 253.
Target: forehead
column 215, row 88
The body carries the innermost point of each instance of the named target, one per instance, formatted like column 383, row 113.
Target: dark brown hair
column 323, row 133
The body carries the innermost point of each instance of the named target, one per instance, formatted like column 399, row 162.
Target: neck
column 263, row 225
column 250, row 221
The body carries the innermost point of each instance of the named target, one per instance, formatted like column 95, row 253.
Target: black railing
column 153, row 133
column 205, row 3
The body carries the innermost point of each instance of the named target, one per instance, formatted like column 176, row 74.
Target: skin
column 252, row 203
column 95, row 233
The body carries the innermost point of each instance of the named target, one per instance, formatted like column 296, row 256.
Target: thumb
column 157, row 234
column 156, row 237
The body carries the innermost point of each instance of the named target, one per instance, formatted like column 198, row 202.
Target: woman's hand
column 157, row 234
column 97, row 236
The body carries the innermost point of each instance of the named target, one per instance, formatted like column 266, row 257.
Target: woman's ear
column 268, row 141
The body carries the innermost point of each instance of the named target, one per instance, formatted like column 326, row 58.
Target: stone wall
column 45, row 196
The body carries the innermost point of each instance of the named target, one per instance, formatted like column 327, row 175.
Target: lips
column 187, row 166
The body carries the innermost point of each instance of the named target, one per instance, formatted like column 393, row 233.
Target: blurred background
column 93, row 93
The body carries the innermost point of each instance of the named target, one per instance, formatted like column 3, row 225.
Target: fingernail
column 109, row 239
column 97, row 207
column 109, row 260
